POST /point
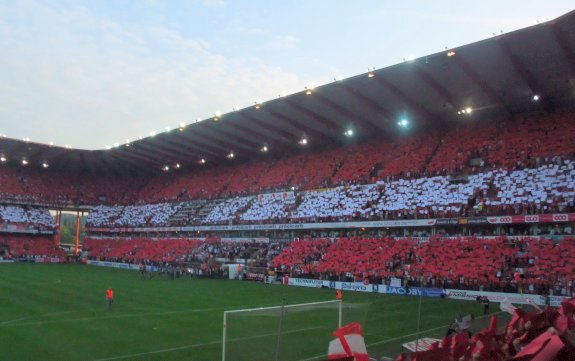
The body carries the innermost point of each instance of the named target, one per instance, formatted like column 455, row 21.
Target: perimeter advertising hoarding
column 416, row 291
column 542, row 218
column 495, row 296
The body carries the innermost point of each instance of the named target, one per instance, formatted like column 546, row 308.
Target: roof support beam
column 424, row 114
column 275, row 132
column 298, row 125
column 331, row 126
column 369, row 102
column 366, row 125
column 564, row 46
column 438, row 88
column 482, row 84
column 239, row 141
column 519, row 68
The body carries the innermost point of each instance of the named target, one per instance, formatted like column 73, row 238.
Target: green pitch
column 58, row 312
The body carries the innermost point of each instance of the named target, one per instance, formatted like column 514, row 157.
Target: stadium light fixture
column 3, row 159
column 140, row 137
column 349, row 132
column 168, row 129
column 202, row 161
column 152, row 134
column 24, row 162
column 264, row 149
column 45, row 165
column 468, row 110
column 303, row 141
column 230, row 155
column 182, row 125
column 451, row 53
column 403, row 123
column 51, row 144
column 536, row 98
column 309, row 89
column 166, row 168
column 116, row 145
column 370, row 72
column 177, row 166
column 108, row 147
column 258, row 103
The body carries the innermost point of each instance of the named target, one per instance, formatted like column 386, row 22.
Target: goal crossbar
column 283, row 307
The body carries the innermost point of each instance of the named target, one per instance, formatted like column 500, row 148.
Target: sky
column 94, row 73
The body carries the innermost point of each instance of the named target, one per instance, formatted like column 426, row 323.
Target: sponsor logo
column 529, row 219
column 560, row 217
column 306, row 282
column 355, row 287
column 402, row 291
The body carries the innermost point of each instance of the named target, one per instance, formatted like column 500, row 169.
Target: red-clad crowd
column 530, row 265
column 136, row 249
column 18, row 246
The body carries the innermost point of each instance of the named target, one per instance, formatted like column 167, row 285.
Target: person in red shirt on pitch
column 110, row 297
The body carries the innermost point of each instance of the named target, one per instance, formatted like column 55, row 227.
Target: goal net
column 283, row 333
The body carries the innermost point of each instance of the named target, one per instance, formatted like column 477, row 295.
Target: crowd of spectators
column 227, row 210
column 136, row 216
column 545, row 189
column 138, row 249
column 26, row 246
column 529, row 265
column 208, row 250
column 28, row 216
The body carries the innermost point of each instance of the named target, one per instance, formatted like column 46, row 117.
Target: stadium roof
column 496, row 76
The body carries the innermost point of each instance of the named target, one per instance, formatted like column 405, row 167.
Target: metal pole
column 224, row 336
column 419, row 312
column 280, row 325
column 77, row 230
column 340, row 308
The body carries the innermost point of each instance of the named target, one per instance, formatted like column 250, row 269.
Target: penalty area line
column 185, row 347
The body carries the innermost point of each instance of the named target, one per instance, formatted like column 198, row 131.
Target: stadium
column 228, row 237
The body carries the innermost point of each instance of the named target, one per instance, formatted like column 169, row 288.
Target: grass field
column 58, row 312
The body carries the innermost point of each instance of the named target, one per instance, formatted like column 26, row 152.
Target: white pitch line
column 107, row 317
column 203, row 344
column 44, row 315
column 266, row 335
column 15, row 320
column 36, row 323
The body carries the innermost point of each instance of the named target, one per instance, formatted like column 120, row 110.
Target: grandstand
column 477, row 194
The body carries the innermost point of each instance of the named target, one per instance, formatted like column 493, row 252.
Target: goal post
column 286, row 332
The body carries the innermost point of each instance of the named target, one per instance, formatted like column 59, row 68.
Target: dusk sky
column 95, row 73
